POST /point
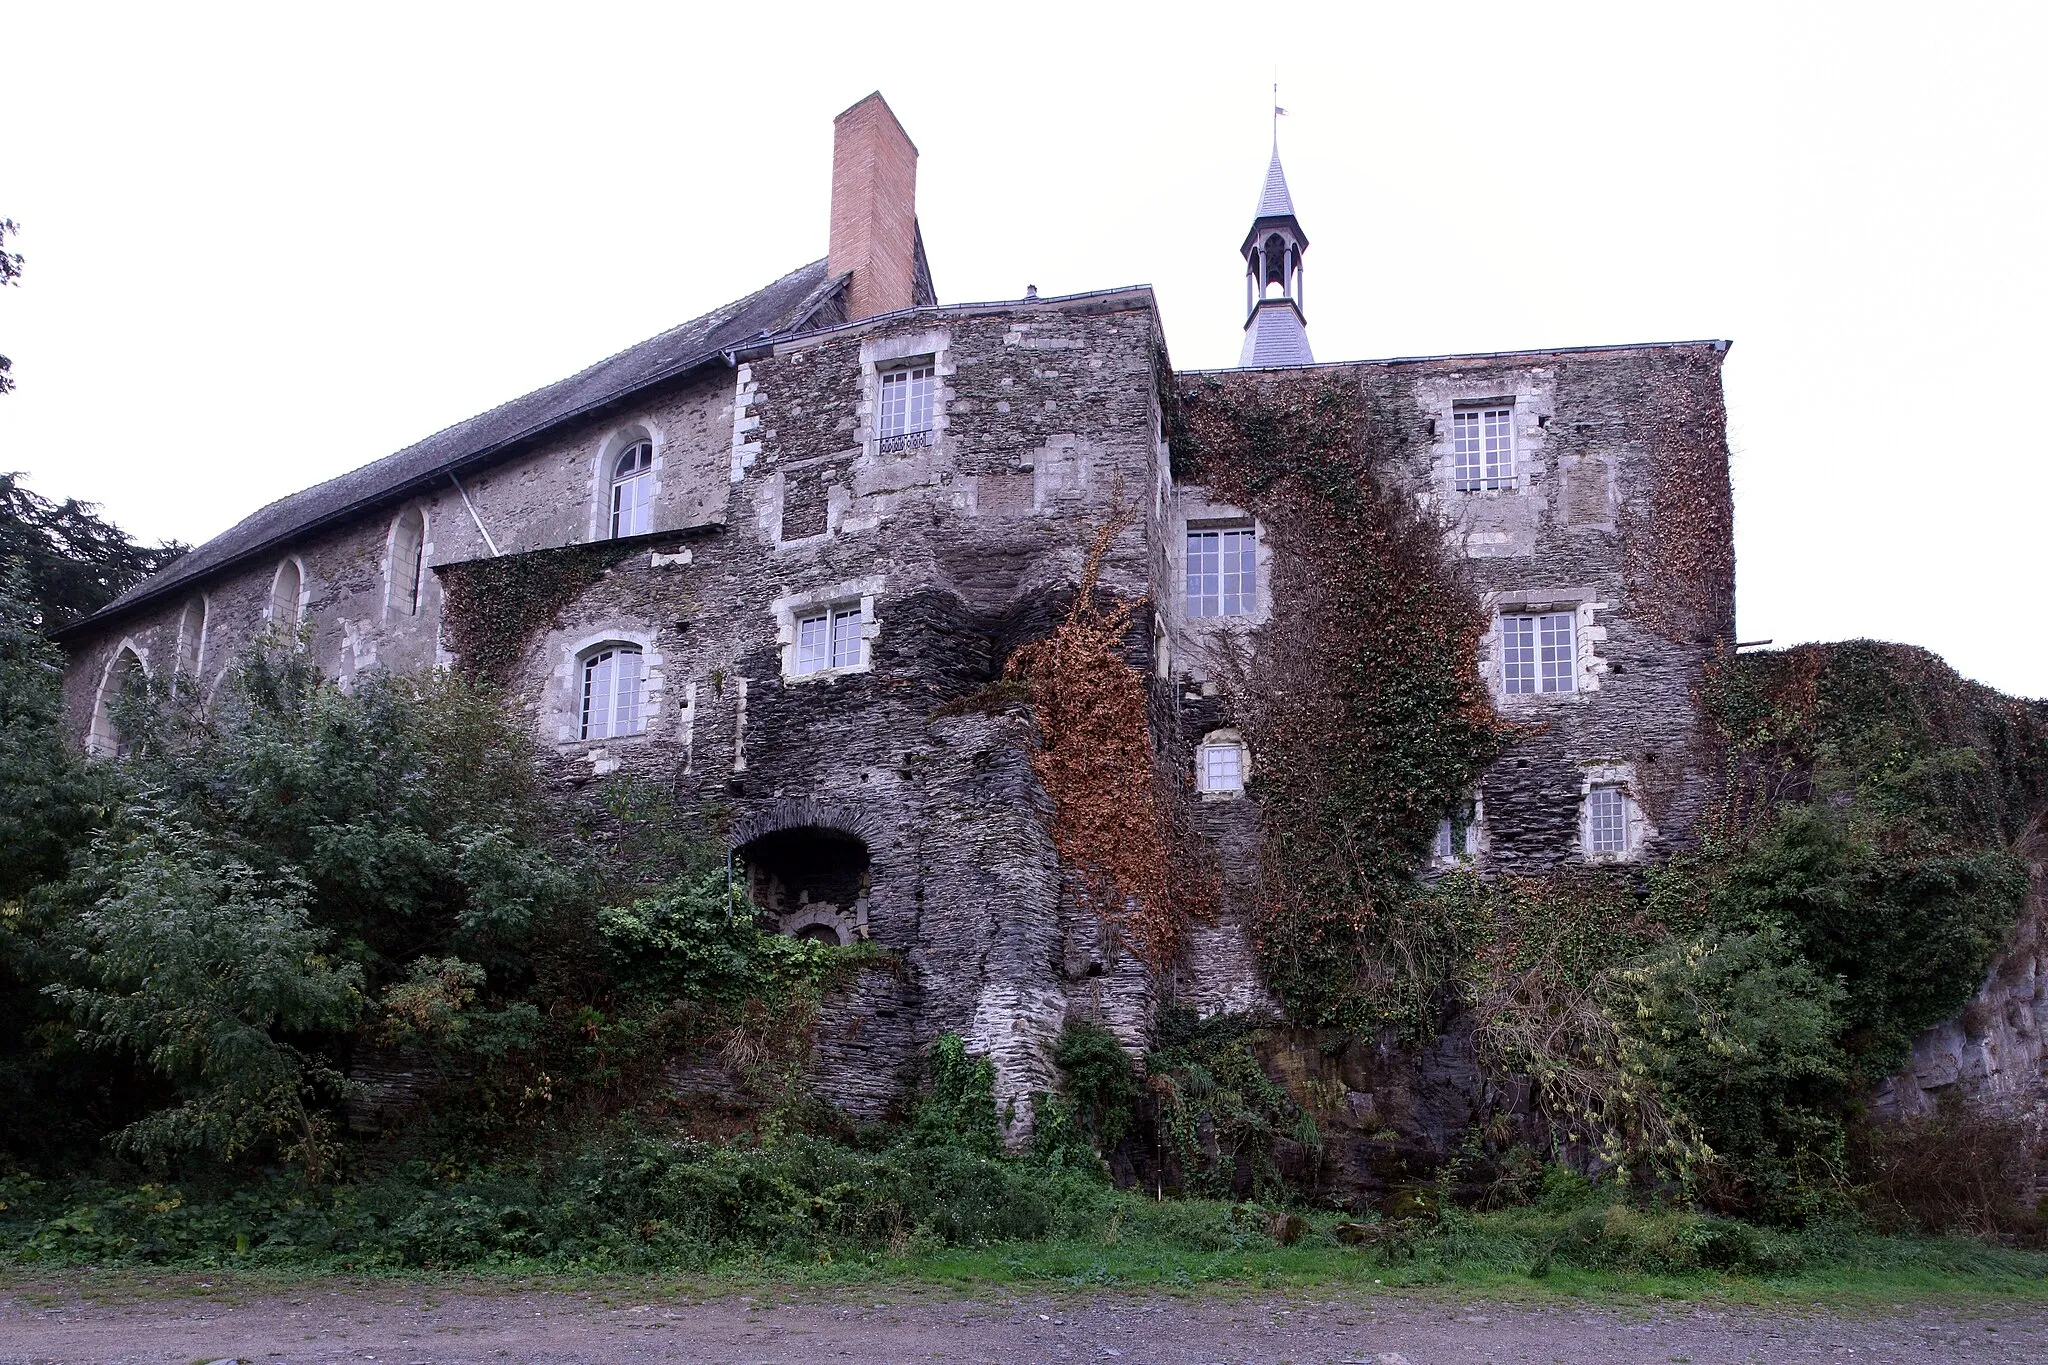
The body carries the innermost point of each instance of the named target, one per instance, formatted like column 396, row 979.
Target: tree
column 75, row 560
column 10, row 273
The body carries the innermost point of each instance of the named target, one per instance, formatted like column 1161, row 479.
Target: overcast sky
column 269, row 243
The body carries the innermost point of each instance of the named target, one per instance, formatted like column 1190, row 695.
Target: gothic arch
column 126, row 664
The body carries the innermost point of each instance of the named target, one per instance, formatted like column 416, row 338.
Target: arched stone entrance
column 807, row 866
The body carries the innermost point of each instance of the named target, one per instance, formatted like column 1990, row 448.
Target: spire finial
column 1277, row 112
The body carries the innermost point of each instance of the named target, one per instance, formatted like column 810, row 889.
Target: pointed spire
column 1274, row 201
column 1275, row 330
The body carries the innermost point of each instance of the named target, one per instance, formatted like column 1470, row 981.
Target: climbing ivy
column 1366, row 711
column 495, row 605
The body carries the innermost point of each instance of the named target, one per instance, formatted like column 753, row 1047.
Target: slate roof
column 1274, row 335
column 783, row 306
column 1274, row 201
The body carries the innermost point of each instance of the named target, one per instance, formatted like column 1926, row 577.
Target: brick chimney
column 874, row 208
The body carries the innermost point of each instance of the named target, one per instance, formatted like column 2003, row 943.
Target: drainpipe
column 492, row 544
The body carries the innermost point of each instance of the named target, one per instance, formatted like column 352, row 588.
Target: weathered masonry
column 762, row 553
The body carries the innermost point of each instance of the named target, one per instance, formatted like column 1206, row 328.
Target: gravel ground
column 185, row 1322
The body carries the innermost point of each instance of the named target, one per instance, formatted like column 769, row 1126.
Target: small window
column 1219, row 767
column 1607, row 820
column 614, row 681
column 1222, row 572
column 906, row 408
column 408, row 560
column 1457, row 837
column 633, row 491
column 1539, row 653
column 828, row 639
column 1483, row 443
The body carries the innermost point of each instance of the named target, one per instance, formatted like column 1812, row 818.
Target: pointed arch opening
column 125, row 677
column 287, row 594
column 406, row 571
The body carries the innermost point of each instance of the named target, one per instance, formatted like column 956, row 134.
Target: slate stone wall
column 775, row 497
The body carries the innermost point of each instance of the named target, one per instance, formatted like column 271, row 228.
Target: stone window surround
column 567, row 684
column 614, row 444
column 1221, row 738
column 1531, row 393
column 1613, row 773
column 192, row 663
column 1590, row 666
column 305, row 592
column 787, row 609
column 100, row 739
column 1196, row 513
column 391, row 561
column 879, row 353
column 1475, row 842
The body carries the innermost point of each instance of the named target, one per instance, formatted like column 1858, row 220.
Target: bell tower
column 1275, row 328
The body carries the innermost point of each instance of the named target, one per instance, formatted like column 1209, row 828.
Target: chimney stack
column 874, row 208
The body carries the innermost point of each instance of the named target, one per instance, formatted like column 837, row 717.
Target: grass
column 1607, row 1253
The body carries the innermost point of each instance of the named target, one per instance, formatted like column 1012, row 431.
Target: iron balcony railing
column 906, row 440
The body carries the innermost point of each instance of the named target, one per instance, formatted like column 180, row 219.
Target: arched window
column 614, row 684
column 633, row 490
column 124, row 676
column 191, row 640
column 408, row 561
column 285, row 592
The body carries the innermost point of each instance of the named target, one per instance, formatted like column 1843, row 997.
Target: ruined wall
column 955, row 550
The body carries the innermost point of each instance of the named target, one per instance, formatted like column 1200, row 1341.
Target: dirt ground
column 187, row 1321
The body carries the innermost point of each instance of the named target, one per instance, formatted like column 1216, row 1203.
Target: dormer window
column 1483, row 445
column 905, row 408
column 633, row 490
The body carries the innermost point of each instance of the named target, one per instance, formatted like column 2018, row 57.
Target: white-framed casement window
column 1457, row 837
column 1539, row 653
column 1223, row 572
column 1607, row 820
column 904, row 407
column 1483, row 444
column 614, row 692
column 633, row 490
column 828, row 637
column 1220, row 766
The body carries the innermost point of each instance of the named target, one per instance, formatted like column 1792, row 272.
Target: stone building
column 803, row 523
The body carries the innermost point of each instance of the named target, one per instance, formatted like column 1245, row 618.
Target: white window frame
column 828, row 640
column 1608, row 828
column 1483, row 448
column 1222, row 765
column 1447, row 848
column 1221, row 576
column 1539, row 652
column 634, row 517
column 618, row 709
column 906, row 406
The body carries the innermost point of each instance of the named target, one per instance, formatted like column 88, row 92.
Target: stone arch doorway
column 812, row 880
